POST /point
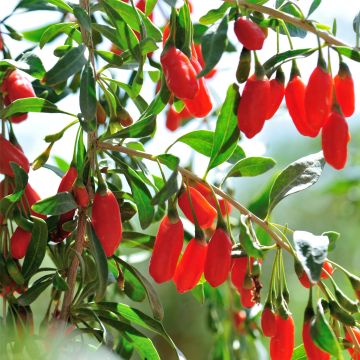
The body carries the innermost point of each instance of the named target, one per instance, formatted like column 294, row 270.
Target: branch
column 300, row 23
column 189, row 175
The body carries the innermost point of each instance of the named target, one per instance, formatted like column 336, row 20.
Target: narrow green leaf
column 71, row 63
column 61, row 5
column 133, row 239
column 312, row 252
column 213, row 44
column 133, row 287
column 215, row 14
column 55, row 205
column 314, row 5
column 88, row 93
column 227, row 132
column 248, row 238
column 21, row 177
column 149, row 6
column 299, row 353
column 83, row 18
column 333, row 236
column 59, row 282
column 171, row 187
column 33, row 293
column 349, row 52
column 100, row 261
column 37, row 248
column 36, row 67
column 298, row 176
column 54, row 30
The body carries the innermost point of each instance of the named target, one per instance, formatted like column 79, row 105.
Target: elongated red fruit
column 204, row 212
column 318, row 98
column 191, row 266
column 304, row 280
column 81, row 195
column 312, row 351
column 253, row 105
column 174, row 119
column 277, row 91
column 354, row 354
column 31, row 197
column 19, row 243
column 179, row 73
column 167, row 248
column 238, row 271
column 10, row 153
column 282, row 343
column 335, row 138
column 345, row 90
column 106, row 220
column 218, row 258
column 247, row 297
column 67, row 181
column 268, row 322
column 249, row 34
column 201, row 104
column 295, row 102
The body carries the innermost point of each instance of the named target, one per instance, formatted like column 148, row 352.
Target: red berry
column 191, row 266
column 312, row 351
column 249, row 34
column 335, row 138
column 268, row 322
column 344, row 90
column 328, row 270
column 277, row 91
column 167, row 248
column 81, row 195
column 238, row 271
column 218, row 258
column 67, row 181
column 247, row 297
column 282, row 343
column 19, row 243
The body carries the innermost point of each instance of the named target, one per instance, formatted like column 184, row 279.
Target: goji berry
column 238, row 271
column 218, row 258
column 249, row 34
column 318, row 98
column 247, row 297
column 335, row 138
column 328, row 270
column 19, row 243
column 312, row 351
column 106, row 220
column 167, row 248
column 277, row 91
column 191, row 266
column 81, row 195
column 11, row 153
column 344, row 90
column 67, row 181
column 253, row 105
column 179, row 73
column 268, row 322
column 282, row 343
column 204, row 212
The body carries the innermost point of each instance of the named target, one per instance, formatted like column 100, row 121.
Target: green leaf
column 54, row 30
column 7, row 203
column 133, row 239
column 55, row 205
column 294, row 10
column 37, row 248
column 34, row 292
column 133, row 288
column 348, row 52
column 169, row 160
column 227, row 132
column 215, row 14
column 71, row 63
column 61, row 5
column 171, row 187
column 36, row 67
column 314, row 5
column 213, row 44
column 129, row 15
column 251, row 166
column 21, row 177
column 59, row 282
column 154, row 300
column 149, row 6
column 88, row 93
column 323, row 335
column 312, row 252
column 142, row 344
column 299, row 353
column 83, row 18
column 333, row 236
column 298, row 176
column 100, row 261
column 30, row 105
column 248, row 238
column 36, row 34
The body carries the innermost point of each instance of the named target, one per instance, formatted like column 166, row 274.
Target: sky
column 37, row 126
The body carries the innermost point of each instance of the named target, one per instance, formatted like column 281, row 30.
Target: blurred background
column 332, row 204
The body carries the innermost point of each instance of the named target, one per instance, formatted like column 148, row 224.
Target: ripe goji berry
column 204, row 212
column 11, row 153
column 173, row 118
column 282, row 343
column 328, row 270
column 312, row 351
column 318, row 98
column 19, row 243
column 67, row 181
column 253, row 105
column 218, row 258
column 344, row 90
column 179, row 73
column 106, row 220
column 295, row 102
column 247, row 297
column 277, row 91
column 15, row 119
column 268, row 322
column 335, row 138
column 249, row 34
column 200, row 105
column 167, row 248
column 191, row 266
column 353, row 353
column 30, row 197
column 81, row 195
column 238, row 271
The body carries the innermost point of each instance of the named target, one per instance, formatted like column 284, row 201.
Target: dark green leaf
column 59, row 282
column 311, row 251
column 227, row 132
column 323, row 335
column 37, row 248
column 133, row 288
column 248, row 238
column 213, row 45
column 36, row 68
column 83, row 18
column 349, row 52
column 100, row 261
column 314, row 5
column 294, row 10
column 71, row 63
column 298, row 176
column 133, row 239
column 33, row 293
column 21, row 177
column 215, row 14
column 171, row 187
column 55, row 30
column 55, row 205
column 88, row 93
